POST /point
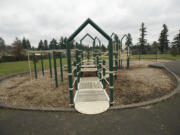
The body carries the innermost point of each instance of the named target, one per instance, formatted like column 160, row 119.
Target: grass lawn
column 159, row 56
column 7, row 68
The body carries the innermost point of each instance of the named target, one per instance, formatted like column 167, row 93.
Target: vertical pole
column 61, row 66
column 50, row 67
column 116, row 64
column 75, row 75
column 55, row 69
column 97, row 62
column 70, row 72
column 127, row 58
column 119, row 63
column 111, row 71
column 29, row 67
column 35, row 69
column 42, row 64
column 104, row 74
column 88, row 55
column 100, row 76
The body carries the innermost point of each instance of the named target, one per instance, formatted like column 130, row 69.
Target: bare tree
column 18, row 50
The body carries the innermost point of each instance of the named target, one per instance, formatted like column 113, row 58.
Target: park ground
column 160, row 119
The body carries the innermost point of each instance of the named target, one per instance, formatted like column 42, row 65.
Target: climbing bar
column 42, row 64
column 34, row 61
column 55, row 69
column 61, row 66
column 50, row 67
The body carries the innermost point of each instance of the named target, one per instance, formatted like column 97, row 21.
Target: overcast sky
column 45, row 19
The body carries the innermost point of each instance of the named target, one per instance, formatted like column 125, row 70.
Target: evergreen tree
column 129, row 40
column 61, row 42
column 163, row 39
column 142, row 40
column 24, row 43
column 46, row 45
column 65, row 39
column 28, row 44
column 41, row 45
column 176, row 42
column 53, row 44
column 2, row 46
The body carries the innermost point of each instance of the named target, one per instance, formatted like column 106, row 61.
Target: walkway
column 90, row 98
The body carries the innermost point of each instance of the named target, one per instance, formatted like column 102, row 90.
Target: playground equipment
column 90, row 97
column 127, row 51
column 81, row 40
column 118, row 51
column 49, row 54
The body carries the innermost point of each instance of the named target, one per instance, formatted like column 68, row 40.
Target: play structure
column 90, row 71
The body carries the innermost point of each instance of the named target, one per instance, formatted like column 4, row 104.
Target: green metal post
column 75, row 75
column 88, row 55
column 35, row 69
column 116, row 64
column 127, row 58
column 70, row 72
column 104, row 74
column 61, row 66
column 111, row 72
column 50, row 67
column 55, row 68
column 42, row 64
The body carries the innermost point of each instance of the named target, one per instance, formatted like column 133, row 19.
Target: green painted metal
column 104, row 74
column 127, row 63
column 116, row 65
column 61, row 66
column 87, row 35
column 50, row 66
column 75, row 75
column 35, row 69
column 55, row 69
column 96, row 38
column 88, row 56
column 42, row 64
column 89, row 21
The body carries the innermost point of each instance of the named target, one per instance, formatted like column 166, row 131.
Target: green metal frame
column 89, row 21
column 127, row 64
column 81, row 40
column 87, row 35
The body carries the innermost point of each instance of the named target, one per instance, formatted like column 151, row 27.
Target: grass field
column 22, row 66
column 159, row 56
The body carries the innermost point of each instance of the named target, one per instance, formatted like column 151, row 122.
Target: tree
column 41, row 45
column 176, row 42
column 18, row 50
column 142, row 40
column 28, row 44
column 46, row 45
column 163, row 39
column 24, row 43
column 53, row 44
column 129, row 40
column 2, row 46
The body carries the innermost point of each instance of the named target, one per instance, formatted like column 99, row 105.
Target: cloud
column 45, row 19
